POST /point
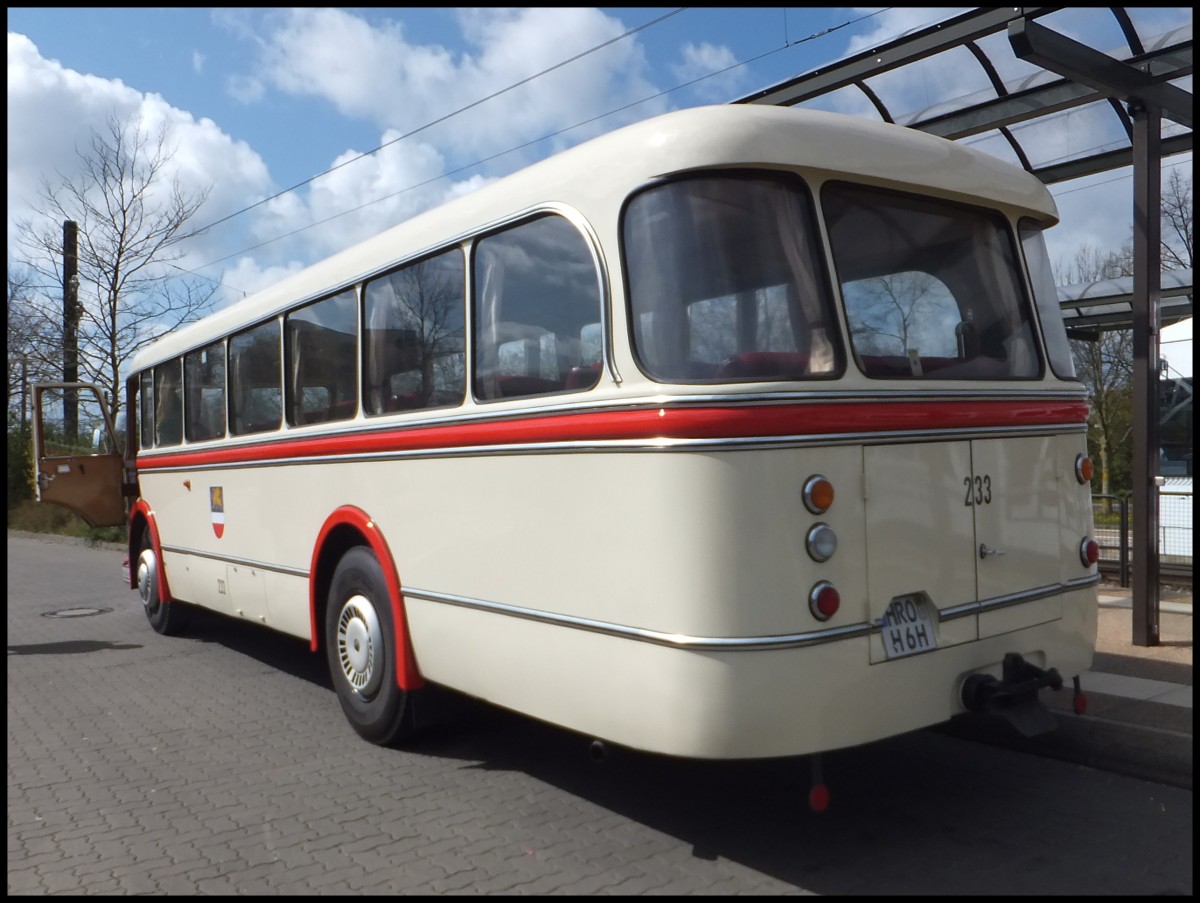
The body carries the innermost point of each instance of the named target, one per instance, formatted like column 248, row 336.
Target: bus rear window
column 725, row 281
column 932, row 289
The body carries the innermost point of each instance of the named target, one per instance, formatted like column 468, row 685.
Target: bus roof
column 598, row 174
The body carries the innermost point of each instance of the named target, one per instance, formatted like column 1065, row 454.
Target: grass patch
column 34, row 517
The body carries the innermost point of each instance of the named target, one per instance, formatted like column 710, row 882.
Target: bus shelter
column 1063, row 92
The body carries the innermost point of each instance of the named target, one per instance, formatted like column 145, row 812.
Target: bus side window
column 255, row 388
column 536, row 289
column 168, row 396
column 146, row 410
column 413, row 354
column 204, row 379
column 322, row 340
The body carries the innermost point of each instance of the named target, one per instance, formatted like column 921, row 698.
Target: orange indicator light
column 1083, row 468
column 818, row 494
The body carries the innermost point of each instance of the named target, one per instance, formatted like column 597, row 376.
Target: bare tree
column 131, row 219
column 32, row 341
column 1177, row 222
column 1105, row 366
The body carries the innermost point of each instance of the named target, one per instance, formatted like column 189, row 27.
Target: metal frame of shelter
column 1137, row 88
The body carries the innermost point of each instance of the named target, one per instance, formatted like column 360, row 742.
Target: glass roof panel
column 1096, row 27
column 945, row 80
column 1159, row 26
column 849, row 100
column 1007, row 64
column 995, row 144
column 1071, row 134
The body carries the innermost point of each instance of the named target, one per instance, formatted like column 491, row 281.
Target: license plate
column 907, row 627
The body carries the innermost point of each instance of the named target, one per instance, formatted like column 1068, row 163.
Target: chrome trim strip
column 726, row 644
column 642, row 445
column 675, row 640
column 245, row 562
column 983, row 606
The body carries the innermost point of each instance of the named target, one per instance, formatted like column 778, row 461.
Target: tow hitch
column 1014, row 697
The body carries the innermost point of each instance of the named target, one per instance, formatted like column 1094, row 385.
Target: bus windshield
column 931, row 288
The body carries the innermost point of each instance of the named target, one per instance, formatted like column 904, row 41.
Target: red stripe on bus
column 729, row 422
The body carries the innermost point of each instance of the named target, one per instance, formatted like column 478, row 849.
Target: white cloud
column 361, row 199
column 398, row 85
column 404, row 86
column 44, row 147
column 245, row 89
column 700, row 60
column 246, row 276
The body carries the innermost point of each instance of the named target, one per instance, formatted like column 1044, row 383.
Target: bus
column 738, row 432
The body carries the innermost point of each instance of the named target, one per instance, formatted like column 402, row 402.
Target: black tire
column 360, row 642
column 167, row 618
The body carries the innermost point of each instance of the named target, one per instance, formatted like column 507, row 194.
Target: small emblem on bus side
column 217, row 502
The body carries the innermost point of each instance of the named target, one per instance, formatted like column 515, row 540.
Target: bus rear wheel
column 360, row 643
column 167, row 618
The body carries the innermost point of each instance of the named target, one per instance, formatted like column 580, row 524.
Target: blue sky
column 259, row 100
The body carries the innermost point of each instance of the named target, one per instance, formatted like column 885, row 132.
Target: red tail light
column 1089, row 552
column 824, row 600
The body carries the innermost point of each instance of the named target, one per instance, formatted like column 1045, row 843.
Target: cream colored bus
column 738, row 432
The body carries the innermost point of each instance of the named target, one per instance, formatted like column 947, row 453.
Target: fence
column 1113, row 515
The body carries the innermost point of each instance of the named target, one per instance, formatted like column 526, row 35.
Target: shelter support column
column 1147, row 284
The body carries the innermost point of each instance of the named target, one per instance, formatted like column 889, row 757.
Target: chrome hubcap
column 147, row 577
column 360, row 645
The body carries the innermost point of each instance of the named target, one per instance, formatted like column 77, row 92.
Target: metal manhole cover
column 76, row 612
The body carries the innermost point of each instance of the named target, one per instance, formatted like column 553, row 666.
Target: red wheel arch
column 142, row 511
column 407, row 675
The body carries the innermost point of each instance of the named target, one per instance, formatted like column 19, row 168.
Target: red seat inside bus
column 583, row 377
column 764, row 365
column 894, row 365
column 520, row 384
column 900, row 365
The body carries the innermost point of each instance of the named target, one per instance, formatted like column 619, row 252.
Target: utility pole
column 70, row 329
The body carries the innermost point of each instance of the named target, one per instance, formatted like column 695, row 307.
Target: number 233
column 979, row 490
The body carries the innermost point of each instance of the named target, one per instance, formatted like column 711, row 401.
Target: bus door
column 953, row 524
column 1015, row 496
column 78, row 462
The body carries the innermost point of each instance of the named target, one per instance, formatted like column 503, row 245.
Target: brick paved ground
column 219, row 763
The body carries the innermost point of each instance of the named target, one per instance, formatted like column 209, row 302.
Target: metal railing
column 1113, row 516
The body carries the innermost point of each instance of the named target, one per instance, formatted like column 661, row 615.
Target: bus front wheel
column 360, row 643
column 167, row 618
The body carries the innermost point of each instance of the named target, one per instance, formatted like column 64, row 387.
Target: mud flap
column 1014, row 697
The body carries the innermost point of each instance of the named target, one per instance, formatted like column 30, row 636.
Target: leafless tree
column 131, row 218
column 1177, row 222
column 1105, row 367
column 32, row 340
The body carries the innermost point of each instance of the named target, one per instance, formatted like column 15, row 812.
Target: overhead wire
column 786, row 45
column 448, row 116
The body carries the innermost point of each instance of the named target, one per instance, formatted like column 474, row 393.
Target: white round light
column 821, row 542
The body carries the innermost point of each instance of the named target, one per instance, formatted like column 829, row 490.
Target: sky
column 315, row 128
